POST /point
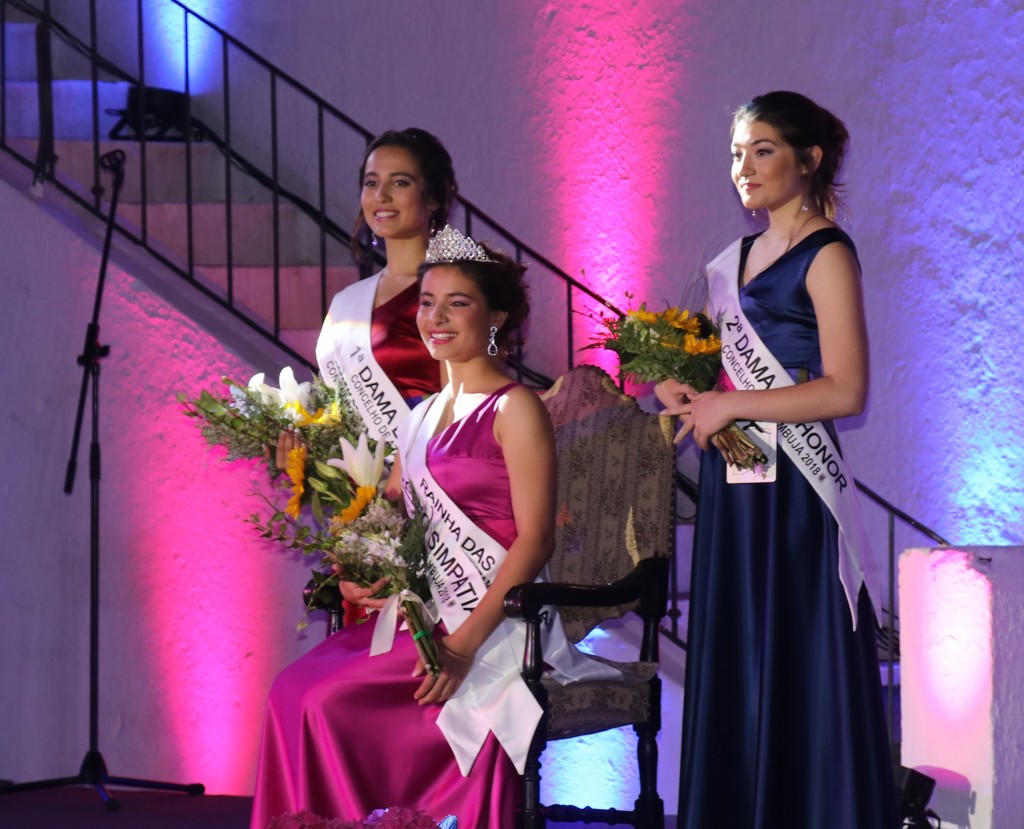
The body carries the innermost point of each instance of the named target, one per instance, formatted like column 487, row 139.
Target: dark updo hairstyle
column 435, row 167
column 803, row 124
column 504, row 289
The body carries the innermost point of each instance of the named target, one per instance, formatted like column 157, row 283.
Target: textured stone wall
column 196, row 614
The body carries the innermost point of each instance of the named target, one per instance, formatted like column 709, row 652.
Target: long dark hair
column 435, row 167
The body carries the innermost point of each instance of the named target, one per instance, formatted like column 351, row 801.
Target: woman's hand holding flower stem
column 441, row 688
column 362, row 596
column 703, row 413
column 709, row 416
column 286, row 441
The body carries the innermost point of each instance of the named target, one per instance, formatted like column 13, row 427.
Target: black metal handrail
column 575, row 292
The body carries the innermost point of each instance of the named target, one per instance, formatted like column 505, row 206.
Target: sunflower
column 302, row 417
column 295, row 468
column 329, row 415
column 682, row 320
column 698, row 345
column 364, row 495
column 641, row 314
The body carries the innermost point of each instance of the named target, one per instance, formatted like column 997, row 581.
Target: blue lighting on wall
column 951, row 341
column 975, row 381
column 167, row 24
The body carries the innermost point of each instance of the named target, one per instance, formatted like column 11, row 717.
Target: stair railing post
column 94, row 82
column 140, row 123
column 228, row 194
column 321, row 161
column 46, row 156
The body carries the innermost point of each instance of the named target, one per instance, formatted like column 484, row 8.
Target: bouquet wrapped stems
column 737, row 448
column 422, row 635
column 735, row 445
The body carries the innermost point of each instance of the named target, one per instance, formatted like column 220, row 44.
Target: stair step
column 20, row 51
column 299, row 289
column 165, row 171
column 252, row 233
column 303, row 340
column 72, row 107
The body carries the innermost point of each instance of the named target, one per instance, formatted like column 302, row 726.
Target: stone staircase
column 306, row 280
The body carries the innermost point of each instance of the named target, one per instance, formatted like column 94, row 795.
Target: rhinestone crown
column 449, row 245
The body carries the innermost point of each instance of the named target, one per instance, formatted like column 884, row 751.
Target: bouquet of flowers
column 393, row 818
column 682, row 345
column 358, row 535
column 364, row 540
column 383, row 543
column 247, row 421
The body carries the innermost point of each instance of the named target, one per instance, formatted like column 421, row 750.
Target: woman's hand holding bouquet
column 681, row 351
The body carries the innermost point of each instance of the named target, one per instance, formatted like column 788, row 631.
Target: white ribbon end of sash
column 384, row 629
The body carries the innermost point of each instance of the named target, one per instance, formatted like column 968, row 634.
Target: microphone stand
column 93, row 771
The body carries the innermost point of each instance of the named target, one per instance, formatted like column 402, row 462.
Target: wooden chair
column 614, row 520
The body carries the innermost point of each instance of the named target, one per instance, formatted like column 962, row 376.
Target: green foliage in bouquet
column 378, row 542
column 383, row 542
column 247, row 419
column 682, row 345
column 653, row 346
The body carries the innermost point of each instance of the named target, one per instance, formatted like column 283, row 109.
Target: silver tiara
column 448, row 245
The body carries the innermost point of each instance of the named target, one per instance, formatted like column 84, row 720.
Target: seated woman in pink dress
column 346, row 733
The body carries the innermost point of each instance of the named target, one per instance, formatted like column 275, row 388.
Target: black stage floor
column 79, row 807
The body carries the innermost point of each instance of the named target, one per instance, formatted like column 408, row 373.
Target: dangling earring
column 373, row 239
column 492, row 346
column 432, row 229
column 804, row 208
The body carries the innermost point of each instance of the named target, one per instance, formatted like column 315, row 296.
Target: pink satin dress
column 342, row 735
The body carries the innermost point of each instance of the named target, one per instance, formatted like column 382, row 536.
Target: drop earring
column 373, row 239
column 804, row 208
column 492, row 346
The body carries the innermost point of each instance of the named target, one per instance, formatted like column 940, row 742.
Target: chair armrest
column 647, row 582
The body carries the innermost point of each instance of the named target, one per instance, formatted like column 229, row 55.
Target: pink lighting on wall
column 956, row 637
column 947, row 652
column 198, row 603
column 607, row 117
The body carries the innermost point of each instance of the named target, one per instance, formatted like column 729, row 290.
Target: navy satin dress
column 783, row 722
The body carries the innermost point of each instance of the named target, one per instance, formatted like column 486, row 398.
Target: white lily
column 364, row 468
column 269, row 394
column 292, row 395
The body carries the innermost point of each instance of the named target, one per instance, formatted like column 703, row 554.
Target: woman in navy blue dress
column 783, row 720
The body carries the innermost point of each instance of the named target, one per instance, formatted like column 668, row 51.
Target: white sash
column 344, row 354
column 462, row 558
column 750, row 365
column 462, row 562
